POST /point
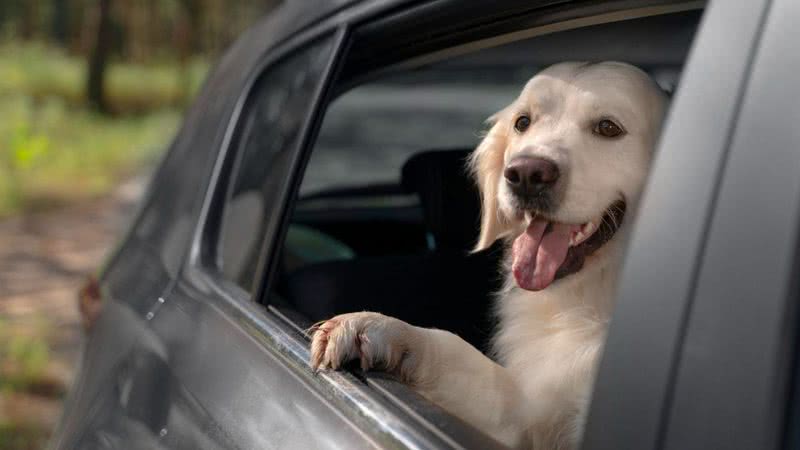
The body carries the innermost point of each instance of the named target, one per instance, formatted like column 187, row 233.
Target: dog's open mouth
column 547, row 251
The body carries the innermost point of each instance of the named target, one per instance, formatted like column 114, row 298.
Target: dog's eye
column 522, row 123
column 607, row 128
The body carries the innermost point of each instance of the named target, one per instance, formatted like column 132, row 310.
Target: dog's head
column 563, row 162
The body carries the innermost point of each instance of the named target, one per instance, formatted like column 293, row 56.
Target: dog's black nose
column 530, row 175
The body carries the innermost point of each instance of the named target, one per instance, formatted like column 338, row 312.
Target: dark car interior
column 425, row 268
column 393, row 232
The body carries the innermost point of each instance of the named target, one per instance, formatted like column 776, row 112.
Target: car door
column 247, row 366
column 214, row 368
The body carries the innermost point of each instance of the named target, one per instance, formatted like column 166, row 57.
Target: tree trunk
column 98, row 59
column 29, row 15
column 192, row 18
column 60, row 22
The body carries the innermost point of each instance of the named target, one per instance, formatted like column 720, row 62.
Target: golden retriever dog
column 560, row 173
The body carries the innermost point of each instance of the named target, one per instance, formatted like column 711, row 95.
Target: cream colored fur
column 548, row 342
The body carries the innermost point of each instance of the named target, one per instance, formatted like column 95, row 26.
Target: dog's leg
column 438, row 364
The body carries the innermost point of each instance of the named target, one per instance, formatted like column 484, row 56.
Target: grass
column 54, row 150
column 24, row 360
column 51, row 153
column 22, row 436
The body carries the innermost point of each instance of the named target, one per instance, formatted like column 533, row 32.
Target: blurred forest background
column 89, row 89
column 91, row 92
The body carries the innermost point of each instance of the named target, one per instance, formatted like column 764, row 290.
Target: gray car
column 320, row 171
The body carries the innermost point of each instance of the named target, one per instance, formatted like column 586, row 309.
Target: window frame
column 205, row 254
column 307, row 132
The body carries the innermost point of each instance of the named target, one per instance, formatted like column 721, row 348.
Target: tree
column 30, row 12
column 95, row 82
column 60, row 22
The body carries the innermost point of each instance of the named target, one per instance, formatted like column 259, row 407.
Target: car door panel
column 128, row 398
column 242, row 383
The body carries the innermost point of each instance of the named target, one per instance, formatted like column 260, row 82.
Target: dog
column 560, row 172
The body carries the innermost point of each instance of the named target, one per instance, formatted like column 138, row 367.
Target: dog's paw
column 376, row 341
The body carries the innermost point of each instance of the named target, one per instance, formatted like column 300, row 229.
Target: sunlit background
column 91, row 93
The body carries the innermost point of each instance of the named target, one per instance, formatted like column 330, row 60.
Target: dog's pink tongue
column 537, row 256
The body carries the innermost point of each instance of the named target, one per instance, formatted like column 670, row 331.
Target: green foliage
column 142, row 30
column 26, row 379
column 41, row 72
column 52, row 153
column 14, row 436
column 23, row 359
column 28, row 357
column 136, row 89
column 54, row 150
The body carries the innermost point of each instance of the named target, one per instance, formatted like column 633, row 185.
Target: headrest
column 449, row 198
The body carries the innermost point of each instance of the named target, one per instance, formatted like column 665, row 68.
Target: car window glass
column 268, row 132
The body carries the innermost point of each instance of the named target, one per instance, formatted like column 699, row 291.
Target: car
column 320, row 171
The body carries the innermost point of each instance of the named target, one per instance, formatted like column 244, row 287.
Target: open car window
column 372, row 130
column 386, row 214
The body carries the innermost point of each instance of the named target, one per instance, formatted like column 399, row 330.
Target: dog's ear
column 486, row 165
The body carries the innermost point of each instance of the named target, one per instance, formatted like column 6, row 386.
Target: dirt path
column 44, row 258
